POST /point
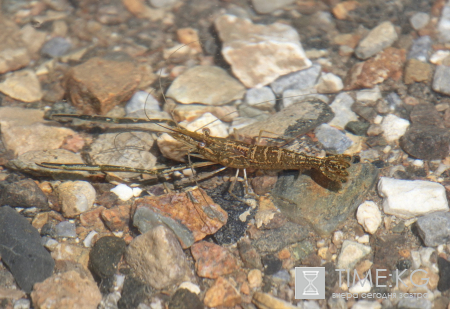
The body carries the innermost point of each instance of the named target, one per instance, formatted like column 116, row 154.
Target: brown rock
column 98, row 85
column 249, row 255
column 202, row 218
column 23, row 86
column 417, row 71
column 222, row 293
column 263, row 300
column 387, row 64
column 212, row 261
column 158, row 258
column 426, row 114
column 117, row 218
column 190, row 37
column 72, row 253
column 13, row 53
column 66, row 290
column 255, row 278
column 259, row 54
column 92, row 218
column 340, row 11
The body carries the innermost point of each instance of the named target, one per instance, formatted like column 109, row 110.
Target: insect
column 226, row 152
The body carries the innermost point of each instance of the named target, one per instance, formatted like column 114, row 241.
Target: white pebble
column 123, row 191
column 137, row 192
column 394, row 127
column 87, row 242
column 410, row 198
column 362, row 286
column 439, row 56
column 369, row 216
column 329, row 83
column 364, row 239
column 190, row 286
column 351, row 253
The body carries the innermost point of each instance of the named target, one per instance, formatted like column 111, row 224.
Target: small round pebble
column 123, row 191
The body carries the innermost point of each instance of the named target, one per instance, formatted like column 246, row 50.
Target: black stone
column 357, row 127
column 444, row 274
column 22, row 193
column 105, row 256
column 403, row 264
column 272, row 264
column 185, row 299
column 134, row 292
column 21, row 250
column 379, row 163
column 426, row 142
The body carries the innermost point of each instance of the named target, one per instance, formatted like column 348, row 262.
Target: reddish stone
column 387, row 64
column 98, row 85
column 222, row 293
column 198, row 213
column 212, row 261
column 117, row 218
column 92, row 218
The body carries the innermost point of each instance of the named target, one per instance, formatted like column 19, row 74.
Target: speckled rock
column 259, row 54
column 76, row 197
column 23, row 86
column 376, row 40
column 426, row 142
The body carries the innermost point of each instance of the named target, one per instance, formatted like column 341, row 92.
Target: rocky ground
column 365, row 78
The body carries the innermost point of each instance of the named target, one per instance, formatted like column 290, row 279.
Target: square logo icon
column 309, row 282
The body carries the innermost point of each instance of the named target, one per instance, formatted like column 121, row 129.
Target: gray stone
column 434, row 229
column 56, row 47
column 300, row 80
column 66, row 229
column 76, row 197
column 332, row 139
column 380, row 37
column 268, row 6
column 141, row 100
column 419, row 20
column 161, row 3
column 421, row 49
column 261, row 98
column 351, row 253
column 21, row 250
column 23, row 193
column 274, row 240
column 302, row 199
column 205, row 84
column 145, row 219
column 444, row 24
column 343, row 113
column 259, row 54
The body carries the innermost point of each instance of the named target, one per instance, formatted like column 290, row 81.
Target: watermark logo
column 310, row 282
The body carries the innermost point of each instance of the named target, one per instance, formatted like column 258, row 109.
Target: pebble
column 205, row 84
column 185, row 299
column 66, row 229
column 117, row 218
column 24, row 193
column 426, row 114
column 444, row 274
column 300, row 80
column 254, row 278
column 76, row 197
column 393, row 127
column 301, row 198
column 341, row 106
column 441, row 79
column 351, row 253
column 265, row 7
column 264, row 300
column 411, row 198
column 158, row 258
column 329, row 83
column 426, row 142
column 212, row 261
column 21, row 250
column 419, row 20
column 380, row 37
column 89, row 240
column 66, row 290
column 366, row 304
column 22, row 85
column 367, row 74
column 129, row 149
column 414, row 303
column 201, row 219
column 416, row 71
column 434, row 229
column 142, row 100
column 292, row 121
column 162, row 3
column 358, row 128
column 123, row 191
column 249, row 255
column 262, row 98
column 222, row 293
column 13, row 52
column 56, row 47
column 368, row 96
column 332, row 139
column 421, row 49
column 73, row 253
column 145, row 219
column 369, row 216
column 105, row 256
column 259, row 54
column 440, row 57
column 24, row 130
column 443, row 26
column 94, row 93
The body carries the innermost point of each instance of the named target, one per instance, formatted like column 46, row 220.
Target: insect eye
column 206, row 131
column 201, row 145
